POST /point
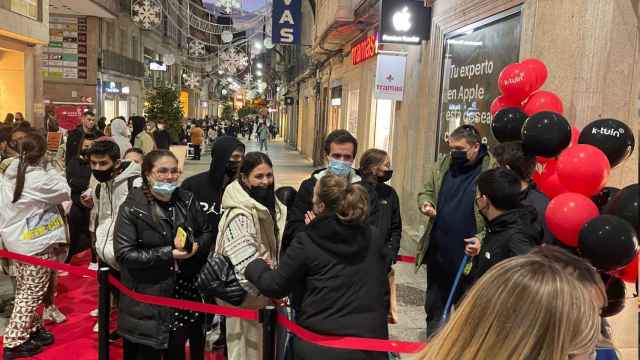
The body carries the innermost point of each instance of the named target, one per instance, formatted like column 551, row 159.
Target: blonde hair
column 525, row 307
column 348, row 201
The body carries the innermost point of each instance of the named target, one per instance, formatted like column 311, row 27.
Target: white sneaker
column 93, row 266
column 94, row 313
column 95, row 328
column 52, row 313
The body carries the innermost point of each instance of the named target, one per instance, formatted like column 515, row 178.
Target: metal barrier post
column 104, row 313
column 268, row 321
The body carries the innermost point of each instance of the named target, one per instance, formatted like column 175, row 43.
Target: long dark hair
column 148, row 163
column 251, row 161
column 370, row 159
column 138, row 124
column 31, row 149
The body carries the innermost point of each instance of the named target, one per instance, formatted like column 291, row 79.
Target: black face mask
column 103, row 175
column 458, row 157
column 386, row 177
column 264, row 196
column 231, row 169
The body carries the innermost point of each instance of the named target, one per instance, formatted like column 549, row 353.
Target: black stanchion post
column 104, row 313
column 268, row 319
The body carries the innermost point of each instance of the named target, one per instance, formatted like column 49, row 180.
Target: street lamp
column 259, row 73
column 259, row 65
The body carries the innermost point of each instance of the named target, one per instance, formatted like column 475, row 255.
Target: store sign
column 472, row 60
column 69, row 116
column 389, row 82
column 156, row 66
column 111, row 87
column 404, row 21
column 364, row 49
column 286, row 19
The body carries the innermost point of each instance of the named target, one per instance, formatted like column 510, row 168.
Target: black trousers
column 175, row 351
column 196, row 152
column 439, row 283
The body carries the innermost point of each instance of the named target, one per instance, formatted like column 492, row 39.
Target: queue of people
column 326, row 251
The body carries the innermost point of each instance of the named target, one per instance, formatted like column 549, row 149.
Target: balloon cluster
column 572, row 169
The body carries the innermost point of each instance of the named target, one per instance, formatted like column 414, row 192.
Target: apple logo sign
column 401, row 20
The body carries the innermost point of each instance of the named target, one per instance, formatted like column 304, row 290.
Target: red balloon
column 545, row 167
column 629, row 273
column 539, row 69
column 583, row 169
column 575, row 135
column 552, row 187
column 566, row 214
column 516, row 81
column 502, row 102
column 543, row 101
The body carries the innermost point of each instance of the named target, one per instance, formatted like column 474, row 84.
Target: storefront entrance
column 12, row 82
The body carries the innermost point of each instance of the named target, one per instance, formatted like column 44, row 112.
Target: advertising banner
column 472, row 60
column 390, row 71
column 286, row 19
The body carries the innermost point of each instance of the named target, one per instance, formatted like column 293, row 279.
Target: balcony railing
column 122, row 64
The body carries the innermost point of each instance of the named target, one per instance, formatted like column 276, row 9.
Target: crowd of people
column 326, row 251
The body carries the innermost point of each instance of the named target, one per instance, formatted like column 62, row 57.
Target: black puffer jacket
column 513, row 233
column 338, row 270
column 143, row 241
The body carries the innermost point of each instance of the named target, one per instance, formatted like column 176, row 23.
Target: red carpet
column 75, row 338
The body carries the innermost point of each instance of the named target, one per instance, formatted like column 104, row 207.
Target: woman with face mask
column 375, row 169
column 251, row 227
column 162, row 239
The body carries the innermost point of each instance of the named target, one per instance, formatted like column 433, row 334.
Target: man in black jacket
column 162, row 136
column 340, row 148
column 87, row 126
column 511, row 227
column 208, row 187
column 511, row 155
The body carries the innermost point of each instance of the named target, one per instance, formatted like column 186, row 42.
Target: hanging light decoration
column 191, row 80
column 146, row 13
column 196, row 48
column 268, row 43
column 169, row 59
column 232, row 60
column 227, row 36
column 228, row 5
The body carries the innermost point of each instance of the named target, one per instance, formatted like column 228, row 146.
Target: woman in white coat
column 31, row 223
column 120, row 134
column 251, row 227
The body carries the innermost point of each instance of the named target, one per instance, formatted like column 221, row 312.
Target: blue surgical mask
column 339, row 167
column 164, row 189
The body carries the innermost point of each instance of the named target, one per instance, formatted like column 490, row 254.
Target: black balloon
column 608, row 242
column 626, row 204
column 507, row 124
column 546, row 134
column 602, row 198
column 616, row 292
column 612, row 136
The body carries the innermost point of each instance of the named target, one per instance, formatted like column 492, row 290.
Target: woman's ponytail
column 354, row 207
column 349, row 202
column 31, row 150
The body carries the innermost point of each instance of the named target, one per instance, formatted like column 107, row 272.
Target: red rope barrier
column 406, row 259
column 246, row 314
column 350, row 343
column 338, row 342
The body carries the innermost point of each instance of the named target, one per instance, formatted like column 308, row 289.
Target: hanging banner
column 286, row 18
column 390, row 77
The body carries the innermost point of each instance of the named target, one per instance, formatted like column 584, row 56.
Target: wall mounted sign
column 390, row 72
column 364, row 49
column 404, row 21
column 111, row 87
column 66, row 55
column 286, row 19
column 472, row 60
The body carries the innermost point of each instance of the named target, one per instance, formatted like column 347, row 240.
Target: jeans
column 263, row 143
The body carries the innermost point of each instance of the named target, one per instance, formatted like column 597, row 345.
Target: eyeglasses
column 168, row 171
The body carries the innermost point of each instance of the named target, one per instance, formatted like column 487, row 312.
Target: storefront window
column 383, row 129
column 109, row 109
column 123, row 108
column 28, row 8
column 473, row 59
column 352, row 111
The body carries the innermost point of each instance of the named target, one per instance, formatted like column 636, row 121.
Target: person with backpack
column 116, row 178
column 32, row 223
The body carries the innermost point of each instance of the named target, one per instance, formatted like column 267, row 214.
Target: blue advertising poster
column 286, row 17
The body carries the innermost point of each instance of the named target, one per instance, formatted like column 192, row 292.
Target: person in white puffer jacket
column 32, row 223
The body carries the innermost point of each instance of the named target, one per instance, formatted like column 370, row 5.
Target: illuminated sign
column 404, row 21
column 157, row 66
column 365, row 49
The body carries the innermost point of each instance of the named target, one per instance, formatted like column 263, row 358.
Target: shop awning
column 99, row 8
